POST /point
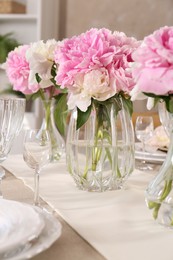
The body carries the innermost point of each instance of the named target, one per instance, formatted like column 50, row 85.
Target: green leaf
column 156, row 211
column 103, row 112
column 149, row 94
column 156, row 100
column 37, row 78
column 169, row 105
column 151, row 204
column 33, row 96
column 60, row 113
column 166, row 190
column 12, row 92
column 53, row 70
column 167, row 99
column 82, row 117
column 128, row 105
column 7, row 44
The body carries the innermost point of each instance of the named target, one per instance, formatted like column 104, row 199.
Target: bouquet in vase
column 31, row 70
column 94, row 68
column 153, row 74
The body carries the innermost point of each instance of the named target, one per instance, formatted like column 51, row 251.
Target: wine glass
column 12, row 112
column 37, row 154
column 144, row 130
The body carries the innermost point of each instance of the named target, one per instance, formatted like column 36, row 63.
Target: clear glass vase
column 159, row 193
column 48, row 123
column 100, row 155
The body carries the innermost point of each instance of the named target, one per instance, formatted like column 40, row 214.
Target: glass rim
column 12, row 98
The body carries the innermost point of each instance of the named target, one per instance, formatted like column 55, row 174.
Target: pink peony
column 17, row 69
column 153, row 71
column 96, row 53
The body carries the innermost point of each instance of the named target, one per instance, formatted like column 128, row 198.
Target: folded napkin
column 159, row 139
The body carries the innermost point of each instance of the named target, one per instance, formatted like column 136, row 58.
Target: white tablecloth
column 117, row 223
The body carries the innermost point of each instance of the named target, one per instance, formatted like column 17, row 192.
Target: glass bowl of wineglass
column 12, row 112
column 37, row 154
column 144, row 128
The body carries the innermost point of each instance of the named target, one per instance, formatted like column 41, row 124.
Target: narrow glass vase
column 159, row 193
column 48, row 123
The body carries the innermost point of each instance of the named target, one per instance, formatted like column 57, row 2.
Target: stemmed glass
column 12, row 112
column 37, row 154
column 144, row 130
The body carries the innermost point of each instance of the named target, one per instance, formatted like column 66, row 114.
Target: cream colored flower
column 40, row 57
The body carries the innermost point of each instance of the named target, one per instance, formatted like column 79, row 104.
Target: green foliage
column 38, row 79
column 61, row 112
column 169, row 104
column 82, row 117
column 7, row 44
column 10, row 91
column 33, row 96
column 103, row 109
column 167, row 99
column 128, row 105
column 103, row 112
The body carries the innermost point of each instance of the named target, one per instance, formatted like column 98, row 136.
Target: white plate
column 19, row 223
column 153, row 157
column 50, row 233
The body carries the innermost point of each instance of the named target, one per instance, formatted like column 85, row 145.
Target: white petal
column 136, row 94
column 150, row 103
column 45, row 83
column 32, row 79
column 3, row 66
column 79, row 101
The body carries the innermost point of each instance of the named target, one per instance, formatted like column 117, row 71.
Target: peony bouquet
column 31, row 70
column 153, row 67
column 153, row 74
column 94, row 68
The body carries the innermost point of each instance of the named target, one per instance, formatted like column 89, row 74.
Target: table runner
column 117, row 223
column 70, row 244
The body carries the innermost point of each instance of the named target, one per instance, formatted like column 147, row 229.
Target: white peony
column 95, row 84
column 40, row 57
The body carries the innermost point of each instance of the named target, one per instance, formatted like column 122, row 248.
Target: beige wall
column 135, row 17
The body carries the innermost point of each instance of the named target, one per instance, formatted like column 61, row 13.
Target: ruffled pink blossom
column 101, row 59
column 21, row 70
column 153, row 71
column 17, row 69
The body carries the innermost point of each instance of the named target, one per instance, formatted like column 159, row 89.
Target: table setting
column 27, row 230
column 59, row 191
column 87, row 175
column 156, row 147
column 105, row 220
column 112, row 215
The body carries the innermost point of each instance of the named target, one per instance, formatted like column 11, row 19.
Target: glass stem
column 36, row 183
column 1, row 196
column 2, row 174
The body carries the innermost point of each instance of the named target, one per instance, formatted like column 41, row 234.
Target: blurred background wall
column 64, row 18
column 136, row 18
